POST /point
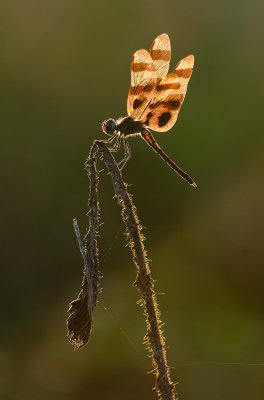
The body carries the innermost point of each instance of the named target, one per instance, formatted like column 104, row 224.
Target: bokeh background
column 65, row 68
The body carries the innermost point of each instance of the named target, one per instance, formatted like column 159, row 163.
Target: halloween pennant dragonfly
column 154, row 100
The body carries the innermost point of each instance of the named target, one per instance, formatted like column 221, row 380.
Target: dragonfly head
column 109, row 126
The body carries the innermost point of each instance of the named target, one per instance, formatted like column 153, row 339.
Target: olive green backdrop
column 65, row 68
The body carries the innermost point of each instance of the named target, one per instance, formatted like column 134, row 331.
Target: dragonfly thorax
column 128, row 126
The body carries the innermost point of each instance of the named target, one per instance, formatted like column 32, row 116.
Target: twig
column 154, row 338
column 80, row 320
column 80, row 243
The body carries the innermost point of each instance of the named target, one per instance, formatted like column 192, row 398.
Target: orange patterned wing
column 161, row 114
column 160, row 52
column 143, row 83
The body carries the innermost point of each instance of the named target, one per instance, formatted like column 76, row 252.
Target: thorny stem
column 154, row 337
column 80, row 320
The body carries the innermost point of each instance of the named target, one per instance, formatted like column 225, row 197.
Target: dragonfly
column 154, row 101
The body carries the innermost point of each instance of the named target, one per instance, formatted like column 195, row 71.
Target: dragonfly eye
column 109, row 126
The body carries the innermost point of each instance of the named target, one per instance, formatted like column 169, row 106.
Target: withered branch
column 82, row 307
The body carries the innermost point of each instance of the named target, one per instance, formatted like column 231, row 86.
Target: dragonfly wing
column 143, row 83
column 162, row 112
column 160, row 52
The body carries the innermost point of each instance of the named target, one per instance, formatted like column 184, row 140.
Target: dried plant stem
column 80, row 320
column 144, row 282
column 154, row 337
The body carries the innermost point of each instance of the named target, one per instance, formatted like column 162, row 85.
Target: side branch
column 80, row 320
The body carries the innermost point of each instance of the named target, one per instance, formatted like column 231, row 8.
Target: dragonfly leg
column 116, row 146
column 111, row 139
column 123, row 162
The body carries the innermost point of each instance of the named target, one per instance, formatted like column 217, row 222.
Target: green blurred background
column 65, row 68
